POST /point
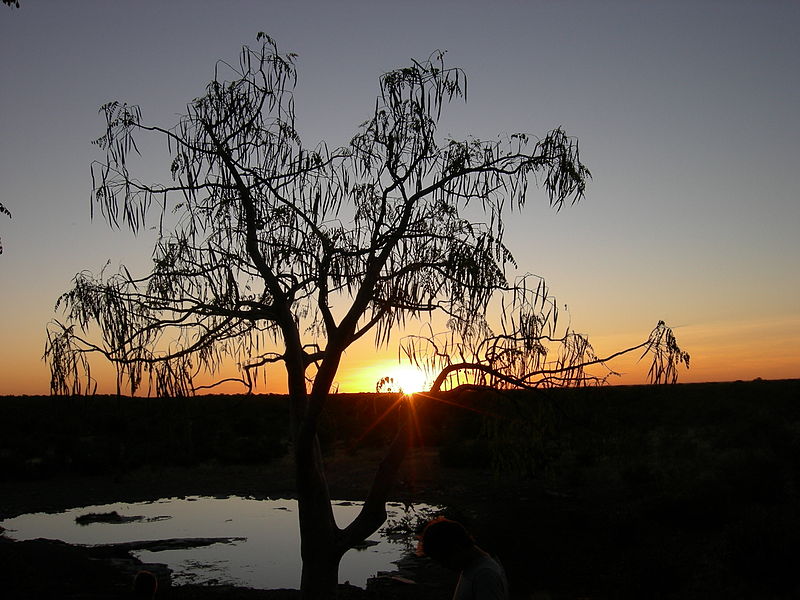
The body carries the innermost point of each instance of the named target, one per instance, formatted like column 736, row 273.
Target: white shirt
column 483, row 579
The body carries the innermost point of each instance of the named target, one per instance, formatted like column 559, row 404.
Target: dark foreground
column 684, row 492
column 52, row 569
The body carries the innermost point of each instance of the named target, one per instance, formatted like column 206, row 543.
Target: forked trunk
column 322, row 543
column 320, row 573
column 318, row 531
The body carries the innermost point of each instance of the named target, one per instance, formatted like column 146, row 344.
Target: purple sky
column 686, row 112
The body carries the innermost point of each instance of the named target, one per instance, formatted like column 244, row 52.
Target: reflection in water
column 269, row 558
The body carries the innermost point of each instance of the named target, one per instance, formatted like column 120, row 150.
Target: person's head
column 445, row 541
column 145, row 585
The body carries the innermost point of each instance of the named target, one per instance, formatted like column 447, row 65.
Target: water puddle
column 263, row 549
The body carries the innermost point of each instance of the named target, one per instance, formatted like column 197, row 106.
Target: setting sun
column 408, row 379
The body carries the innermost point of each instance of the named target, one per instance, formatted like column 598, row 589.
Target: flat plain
column 686, row 491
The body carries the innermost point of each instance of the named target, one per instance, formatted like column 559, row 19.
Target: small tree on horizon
column 272, row 252
column 6, row 212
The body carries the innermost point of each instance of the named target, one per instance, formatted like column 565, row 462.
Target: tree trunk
column 322, row 543
column 320, row 571
column 318, row 531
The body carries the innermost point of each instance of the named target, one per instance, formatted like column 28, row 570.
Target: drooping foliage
column 270, row 239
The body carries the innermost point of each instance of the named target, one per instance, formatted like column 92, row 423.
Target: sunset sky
column 686, row 112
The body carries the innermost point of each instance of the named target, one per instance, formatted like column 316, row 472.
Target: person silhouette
column 481, row 576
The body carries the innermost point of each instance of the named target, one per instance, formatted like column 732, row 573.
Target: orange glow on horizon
column 723, row 351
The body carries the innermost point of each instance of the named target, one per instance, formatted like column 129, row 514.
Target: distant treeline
column 524, row 431
column 43, row 435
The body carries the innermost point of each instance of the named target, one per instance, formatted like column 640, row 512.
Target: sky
column 686, row 114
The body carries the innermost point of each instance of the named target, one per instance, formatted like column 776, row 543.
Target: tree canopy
column 273, row 242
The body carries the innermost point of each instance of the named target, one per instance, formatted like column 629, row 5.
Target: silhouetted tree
column 270, row 251
column 4, row 211
column 11, row 3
